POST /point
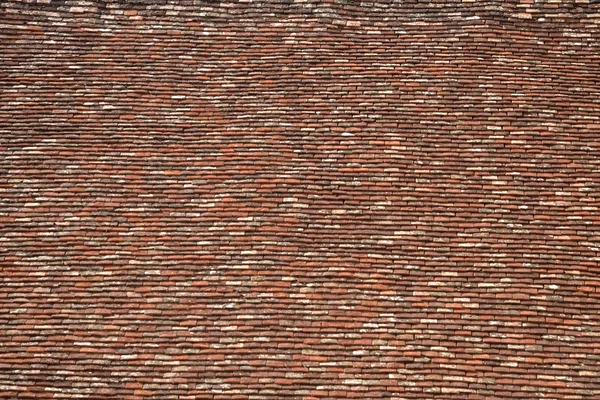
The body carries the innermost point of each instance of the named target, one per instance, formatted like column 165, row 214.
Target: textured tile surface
column 299, row 199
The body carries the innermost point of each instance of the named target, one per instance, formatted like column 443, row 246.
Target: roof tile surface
column 299, row 199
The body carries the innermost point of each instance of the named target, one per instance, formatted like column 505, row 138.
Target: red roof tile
column 307, row 199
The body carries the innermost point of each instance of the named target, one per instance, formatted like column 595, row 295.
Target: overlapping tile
column 307, row 199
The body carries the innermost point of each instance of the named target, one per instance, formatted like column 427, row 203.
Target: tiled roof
column 299, row 199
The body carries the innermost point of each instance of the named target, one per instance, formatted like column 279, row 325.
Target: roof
column 308, row 199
